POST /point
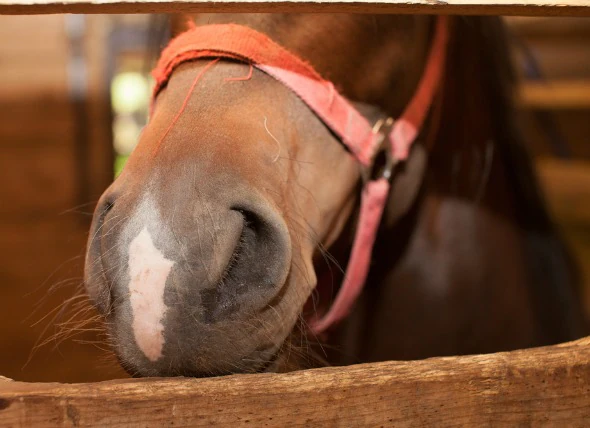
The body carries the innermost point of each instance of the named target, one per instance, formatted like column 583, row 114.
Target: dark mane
column 479, row 83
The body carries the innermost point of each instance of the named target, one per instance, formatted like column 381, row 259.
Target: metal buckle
column 382, row 128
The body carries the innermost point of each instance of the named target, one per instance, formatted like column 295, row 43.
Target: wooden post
column 542, row 386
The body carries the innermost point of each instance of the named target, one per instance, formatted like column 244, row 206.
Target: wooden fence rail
column 457, row 7
column 542, row 386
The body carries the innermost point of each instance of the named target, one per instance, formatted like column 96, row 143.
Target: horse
column 239, row 205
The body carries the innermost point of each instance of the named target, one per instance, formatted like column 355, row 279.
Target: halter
column 365, row 141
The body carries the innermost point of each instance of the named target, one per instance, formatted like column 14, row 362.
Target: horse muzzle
column 185, row 279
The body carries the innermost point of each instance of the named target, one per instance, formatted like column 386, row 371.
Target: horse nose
column 157, row 265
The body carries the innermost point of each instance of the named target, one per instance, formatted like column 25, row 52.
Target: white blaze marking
column 149, row 270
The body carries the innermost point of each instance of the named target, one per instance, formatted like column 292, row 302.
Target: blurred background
column 74, row 94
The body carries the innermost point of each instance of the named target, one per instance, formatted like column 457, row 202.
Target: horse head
column 205, row 250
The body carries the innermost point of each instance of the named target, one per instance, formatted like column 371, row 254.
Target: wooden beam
column 548, row 386
column 554, row 95
column 457, row 7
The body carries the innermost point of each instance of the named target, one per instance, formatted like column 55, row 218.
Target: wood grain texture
column 545, row 386
column 458, row 7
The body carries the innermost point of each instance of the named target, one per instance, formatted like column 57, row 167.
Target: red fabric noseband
column 363, row 139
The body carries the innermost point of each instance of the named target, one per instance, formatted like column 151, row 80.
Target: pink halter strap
column 354, row 131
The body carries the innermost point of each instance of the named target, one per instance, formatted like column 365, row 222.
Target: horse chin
column 208, row 351
column 273, row 364
column 278, row 362
column 217, row 351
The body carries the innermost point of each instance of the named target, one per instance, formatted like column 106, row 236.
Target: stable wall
column 42, row 233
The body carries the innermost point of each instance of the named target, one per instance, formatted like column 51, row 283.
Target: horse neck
column 481, row 189
column 373, row 59
column 470, row 137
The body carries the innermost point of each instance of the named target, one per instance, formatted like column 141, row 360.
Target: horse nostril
column 102, row 210
column 96, row 282
column 251, row 220
column 244, row 284
column 107, row 205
